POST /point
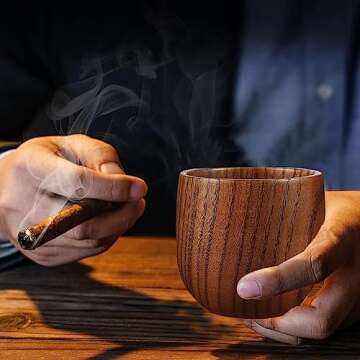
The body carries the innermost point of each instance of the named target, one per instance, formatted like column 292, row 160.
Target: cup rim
column 315, row 173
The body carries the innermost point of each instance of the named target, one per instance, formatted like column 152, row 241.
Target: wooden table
column 130, row 303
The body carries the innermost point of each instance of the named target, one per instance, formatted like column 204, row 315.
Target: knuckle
column 106, row 149
column 103, row 153
column 78, row 183
column 118, row 190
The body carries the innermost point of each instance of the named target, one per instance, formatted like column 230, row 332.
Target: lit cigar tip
column 26, row 239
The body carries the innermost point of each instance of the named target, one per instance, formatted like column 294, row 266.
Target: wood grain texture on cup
column 233, row 221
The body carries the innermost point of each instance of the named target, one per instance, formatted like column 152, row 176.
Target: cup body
column 233, row 221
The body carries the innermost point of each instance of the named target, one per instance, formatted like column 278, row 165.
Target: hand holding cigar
column 43, row 174
column 73, row 214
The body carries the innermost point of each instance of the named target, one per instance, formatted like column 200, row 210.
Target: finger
column 65, row 178
column 114, row 222
column 328, row 251
column 326, row 313
column 272, row 334
column 92, row 153
column 54, row 256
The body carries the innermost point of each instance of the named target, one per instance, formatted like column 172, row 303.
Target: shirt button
column 325, row 91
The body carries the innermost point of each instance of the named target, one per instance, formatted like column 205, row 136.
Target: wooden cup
column 233, row 221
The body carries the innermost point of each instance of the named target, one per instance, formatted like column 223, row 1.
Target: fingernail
column 248, row 289
column 111, row 168
column 137, row 191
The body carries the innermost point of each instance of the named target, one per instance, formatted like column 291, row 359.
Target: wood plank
column 129, row 303
column 128, row 354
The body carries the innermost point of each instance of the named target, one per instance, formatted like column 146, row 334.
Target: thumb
column 327, row 252
column 92, row 153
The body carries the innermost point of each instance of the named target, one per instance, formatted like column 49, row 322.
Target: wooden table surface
column 130, row 303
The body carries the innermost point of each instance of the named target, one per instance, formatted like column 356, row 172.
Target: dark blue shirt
column 297, row 91
column 159, row 88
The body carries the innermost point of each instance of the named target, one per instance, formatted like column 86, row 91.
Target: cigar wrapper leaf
column 73, row 214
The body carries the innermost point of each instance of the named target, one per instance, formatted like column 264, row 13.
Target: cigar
column 73, row 214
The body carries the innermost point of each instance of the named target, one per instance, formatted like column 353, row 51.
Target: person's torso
column 159, row 85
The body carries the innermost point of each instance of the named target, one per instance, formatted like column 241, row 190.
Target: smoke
column 170, row 126
column 92, row 102
column 82, row 103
